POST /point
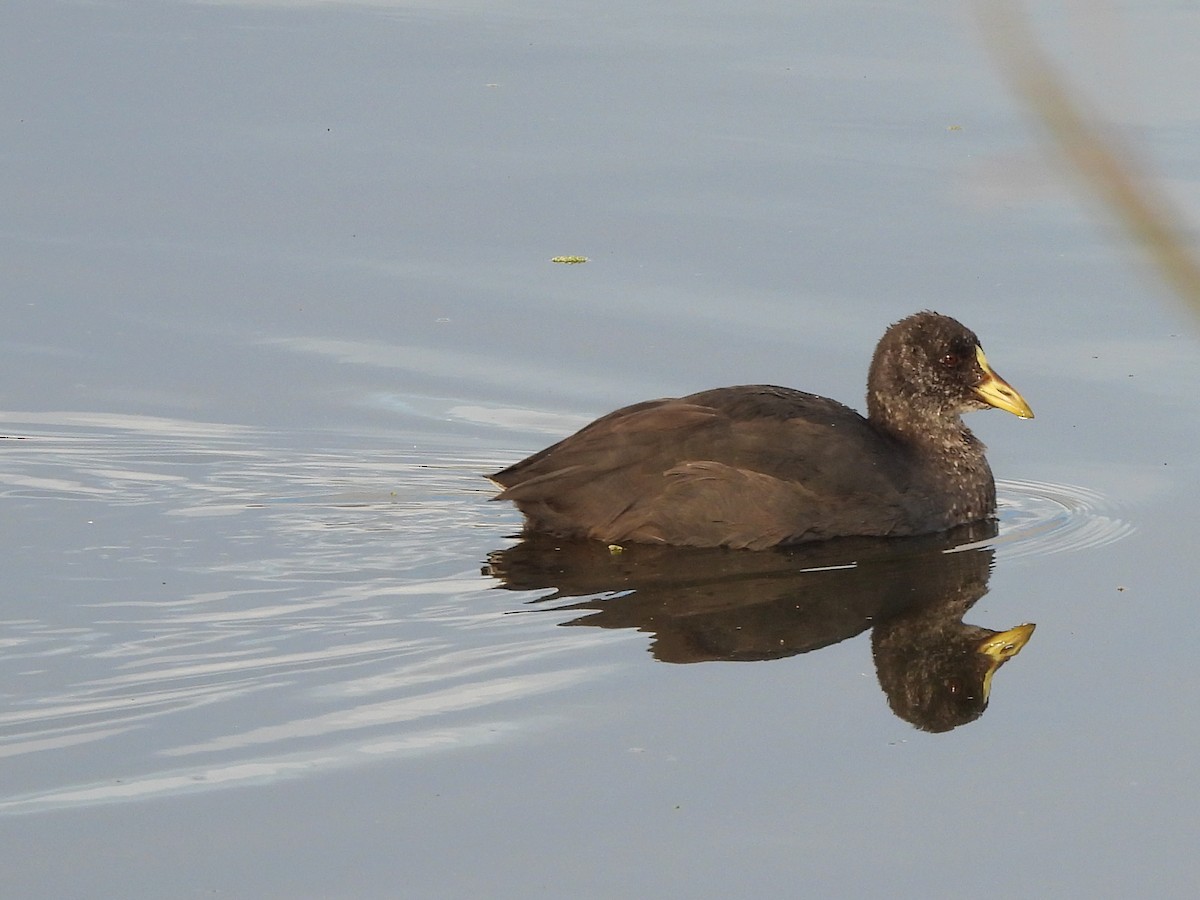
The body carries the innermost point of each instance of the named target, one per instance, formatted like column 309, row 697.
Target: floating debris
column 570, row 260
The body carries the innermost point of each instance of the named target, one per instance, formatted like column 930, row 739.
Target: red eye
column 950, row 360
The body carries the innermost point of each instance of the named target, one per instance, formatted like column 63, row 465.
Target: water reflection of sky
column 279, row 293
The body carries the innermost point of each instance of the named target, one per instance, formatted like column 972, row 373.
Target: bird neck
column 943, row 441
column 910, row 422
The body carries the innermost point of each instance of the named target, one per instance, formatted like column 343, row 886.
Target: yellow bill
column 1001, row 647
column 997, row 392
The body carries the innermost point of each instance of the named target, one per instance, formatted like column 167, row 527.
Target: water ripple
column 1041, row 518
column 207, row 606
column 200, row 605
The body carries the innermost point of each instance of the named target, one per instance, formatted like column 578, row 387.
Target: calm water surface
column 279, row 296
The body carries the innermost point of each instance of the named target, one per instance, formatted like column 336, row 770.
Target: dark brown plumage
column 757, row 465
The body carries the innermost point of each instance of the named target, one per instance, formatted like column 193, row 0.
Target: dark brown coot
column 756, row 466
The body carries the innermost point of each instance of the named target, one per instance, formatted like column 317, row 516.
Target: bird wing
column 735, row 467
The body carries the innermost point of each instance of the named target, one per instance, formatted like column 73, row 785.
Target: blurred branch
column 1105, row 166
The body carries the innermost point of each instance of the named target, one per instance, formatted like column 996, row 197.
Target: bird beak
column 995, row 391
column 1000, row 648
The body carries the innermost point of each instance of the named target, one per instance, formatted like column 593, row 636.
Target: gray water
column 279, row 294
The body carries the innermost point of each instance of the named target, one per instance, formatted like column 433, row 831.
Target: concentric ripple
column 1040, row 518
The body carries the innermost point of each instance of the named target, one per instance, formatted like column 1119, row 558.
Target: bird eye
column 950, row 360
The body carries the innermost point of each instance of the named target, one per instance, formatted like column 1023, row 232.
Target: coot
column 757, row 466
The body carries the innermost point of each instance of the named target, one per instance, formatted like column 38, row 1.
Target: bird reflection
column 719, row 604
